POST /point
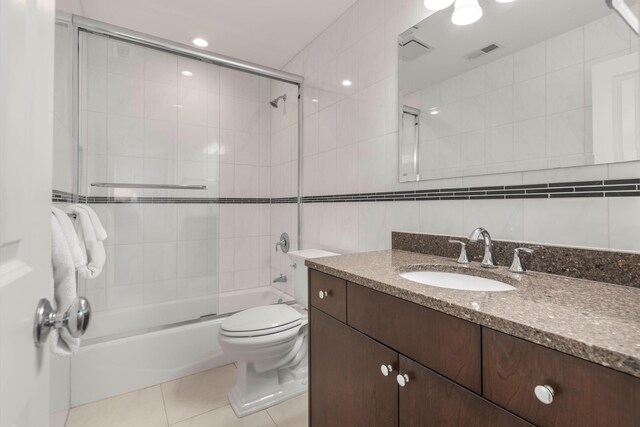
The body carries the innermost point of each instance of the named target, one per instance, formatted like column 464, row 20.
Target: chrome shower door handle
column 75, row 319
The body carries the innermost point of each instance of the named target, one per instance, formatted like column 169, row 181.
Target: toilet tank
column 300, row 275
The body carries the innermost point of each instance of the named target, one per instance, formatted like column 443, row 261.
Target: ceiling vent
column 481, row 52
column 411, row 46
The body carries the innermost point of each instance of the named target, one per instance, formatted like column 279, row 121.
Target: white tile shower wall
column 283, row 158
column 527, row 110
column 146, row 121
column 356, row 128
column 64, row 148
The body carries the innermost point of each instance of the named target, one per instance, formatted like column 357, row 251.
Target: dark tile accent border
column 604, row 188
column 620, row 268
column 64, row 197
column 58, row 196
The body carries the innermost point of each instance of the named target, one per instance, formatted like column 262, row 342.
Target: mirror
column 532, row 84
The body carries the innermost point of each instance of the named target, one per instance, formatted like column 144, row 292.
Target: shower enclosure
column 192, row 165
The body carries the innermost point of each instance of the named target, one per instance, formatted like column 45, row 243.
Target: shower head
column 274, row 103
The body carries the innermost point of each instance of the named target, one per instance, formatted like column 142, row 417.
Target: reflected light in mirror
column 466, row 12
column 436, row 5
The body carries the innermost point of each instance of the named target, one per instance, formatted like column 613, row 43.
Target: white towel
column 77, row 252
column 94, row 248
column 64, row 285
column 101, row 233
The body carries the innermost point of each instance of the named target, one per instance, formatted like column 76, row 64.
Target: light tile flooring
column 198, row 400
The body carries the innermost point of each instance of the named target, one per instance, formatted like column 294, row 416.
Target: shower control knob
column 544, row 393
column 323, row 294
column 385, row 369
column 402, row 380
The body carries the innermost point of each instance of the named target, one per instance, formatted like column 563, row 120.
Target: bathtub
column 114, row 360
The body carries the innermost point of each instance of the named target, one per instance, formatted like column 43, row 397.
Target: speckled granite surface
column 620, row 268
column 596, row 321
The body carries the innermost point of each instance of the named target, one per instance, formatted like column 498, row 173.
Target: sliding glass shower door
column 149, row 166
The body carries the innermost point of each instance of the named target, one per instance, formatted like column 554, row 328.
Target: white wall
column 350, row 146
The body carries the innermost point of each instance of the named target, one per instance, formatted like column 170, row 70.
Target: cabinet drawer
column 334, row 300
column 429, row 399
column 443, row 343
column 585, row 394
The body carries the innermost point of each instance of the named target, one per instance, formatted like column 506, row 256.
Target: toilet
column 270, row 344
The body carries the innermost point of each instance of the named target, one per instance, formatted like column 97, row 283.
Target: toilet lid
column 263, row 320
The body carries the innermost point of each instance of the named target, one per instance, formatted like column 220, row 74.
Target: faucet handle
column 516, row 264
column 463, row 258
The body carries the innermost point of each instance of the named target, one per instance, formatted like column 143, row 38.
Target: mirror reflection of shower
column 274, row 103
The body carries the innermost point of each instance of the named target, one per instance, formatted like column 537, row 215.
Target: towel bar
column 155, row 186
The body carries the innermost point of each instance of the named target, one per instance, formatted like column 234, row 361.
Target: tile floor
column 198, row 400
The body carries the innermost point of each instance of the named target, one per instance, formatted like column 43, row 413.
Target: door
column 26, row 105
column 429, row 399
column 347, row 387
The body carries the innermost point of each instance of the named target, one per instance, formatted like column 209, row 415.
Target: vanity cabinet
column 581, row 393
column 378, row 360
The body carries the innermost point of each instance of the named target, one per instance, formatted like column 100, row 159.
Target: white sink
column 456, row 281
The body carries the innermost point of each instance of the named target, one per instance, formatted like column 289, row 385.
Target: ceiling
column 267, row 32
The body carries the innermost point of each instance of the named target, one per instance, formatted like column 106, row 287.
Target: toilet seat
column 260, row 321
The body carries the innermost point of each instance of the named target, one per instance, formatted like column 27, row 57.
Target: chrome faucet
column 478, row 234
column 280, row 279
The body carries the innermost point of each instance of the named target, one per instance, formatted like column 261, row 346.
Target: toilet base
column 280, row 387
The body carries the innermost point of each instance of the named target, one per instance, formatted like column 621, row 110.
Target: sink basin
column 458, row 281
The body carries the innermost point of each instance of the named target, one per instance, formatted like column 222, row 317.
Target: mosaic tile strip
column 619, row 268
column 602, row 188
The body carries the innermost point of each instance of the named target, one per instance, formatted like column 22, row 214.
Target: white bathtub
column 116, row 366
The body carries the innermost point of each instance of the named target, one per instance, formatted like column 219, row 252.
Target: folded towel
column 77, row 252
column 101, row 233
column 64, row 285
column 94, row 248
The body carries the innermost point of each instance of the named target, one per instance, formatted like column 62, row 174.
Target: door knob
column 385, row 369
column 75, row 319
column 402, row 380
column 323, row 294
column 544, row 393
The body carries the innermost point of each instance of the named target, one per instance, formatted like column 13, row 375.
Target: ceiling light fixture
column 436, row 5
column 346, row 83
column 187, row 73
column 434, row 111
column 466, row 12
column 314, row 100
column 200, row 42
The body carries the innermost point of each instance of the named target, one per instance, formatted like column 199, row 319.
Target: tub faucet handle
column 463, row 258
column 516, row 264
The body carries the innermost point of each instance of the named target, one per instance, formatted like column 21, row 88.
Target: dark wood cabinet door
column 585, row 394
column 346, row 385
column 429, row 399
column 443, row 343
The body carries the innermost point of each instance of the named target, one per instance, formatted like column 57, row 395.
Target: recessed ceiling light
column 200, row 42
column 346, row 83
column 187, row 73
column 314, row 100
column 434, row 111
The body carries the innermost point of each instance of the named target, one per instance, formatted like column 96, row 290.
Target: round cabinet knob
column 544, row 393
column 385, row 369
column 323, row 294
column 402, row 380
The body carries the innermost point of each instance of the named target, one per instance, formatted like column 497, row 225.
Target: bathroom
column 301, row 167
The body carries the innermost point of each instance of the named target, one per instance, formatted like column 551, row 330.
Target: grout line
column 164, row 404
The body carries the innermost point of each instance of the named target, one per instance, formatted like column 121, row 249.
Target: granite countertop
column 595, row 321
